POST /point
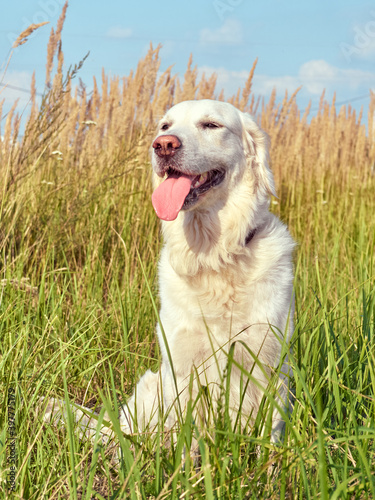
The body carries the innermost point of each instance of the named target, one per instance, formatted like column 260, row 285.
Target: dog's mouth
column 180, row 191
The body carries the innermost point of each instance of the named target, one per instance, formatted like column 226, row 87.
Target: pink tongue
column 169, row 197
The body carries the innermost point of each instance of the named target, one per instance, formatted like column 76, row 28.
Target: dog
column 225, row 272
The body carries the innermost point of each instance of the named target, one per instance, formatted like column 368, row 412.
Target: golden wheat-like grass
column 23, row 37
column 54, row 45
column 90, row 128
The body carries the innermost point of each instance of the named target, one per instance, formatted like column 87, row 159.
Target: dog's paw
column 54, row 411
column 126, row 420
column 86, row 420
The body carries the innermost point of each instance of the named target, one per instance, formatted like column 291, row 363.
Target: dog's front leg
column 141, row 411
column 147, row 405
column 85, row 418
column 159, row 398
column 284, row 402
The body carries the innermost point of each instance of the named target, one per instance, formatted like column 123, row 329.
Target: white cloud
column 231, row 81
column 224, row 76
column 318, row 74
column 230, row 32
column 314, row 76
column 119, row 32
column 263, row 84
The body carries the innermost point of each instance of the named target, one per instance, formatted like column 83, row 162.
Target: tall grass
column 79, row 244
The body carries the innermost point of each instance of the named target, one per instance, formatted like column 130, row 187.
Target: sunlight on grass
column 78, row 258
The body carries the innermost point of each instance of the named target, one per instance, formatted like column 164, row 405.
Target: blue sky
column 321, row 44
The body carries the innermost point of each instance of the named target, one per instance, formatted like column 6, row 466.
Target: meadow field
column 79, row 245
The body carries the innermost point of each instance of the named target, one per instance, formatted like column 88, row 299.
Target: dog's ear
column 256, row 145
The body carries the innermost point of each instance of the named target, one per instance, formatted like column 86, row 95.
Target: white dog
column 225, row 272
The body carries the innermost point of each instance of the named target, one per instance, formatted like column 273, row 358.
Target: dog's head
column 203, row 153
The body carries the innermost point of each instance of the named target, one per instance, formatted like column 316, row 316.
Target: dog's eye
column 210, row 125
column 165, row 126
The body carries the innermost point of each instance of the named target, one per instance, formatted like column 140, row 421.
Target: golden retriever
column 225, row 271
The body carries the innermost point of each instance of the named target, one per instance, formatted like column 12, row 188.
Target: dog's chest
column 215, row 291
column 216, row 295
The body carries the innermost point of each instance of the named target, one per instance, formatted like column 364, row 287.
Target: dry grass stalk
column 235, row 99
column 189, row 87
column 51, row 47
column 22, row 38
column 164, row 92
column 9, row 127
column 371, row 129
column 206, row 87
column 33, row 95
column 221, row 96
column 247, row 88
column 54, row 44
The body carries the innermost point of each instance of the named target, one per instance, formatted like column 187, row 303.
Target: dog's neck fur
column 200, row 240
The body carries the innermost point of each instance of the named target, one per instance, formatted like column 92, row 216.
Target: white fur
column 214, row 289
